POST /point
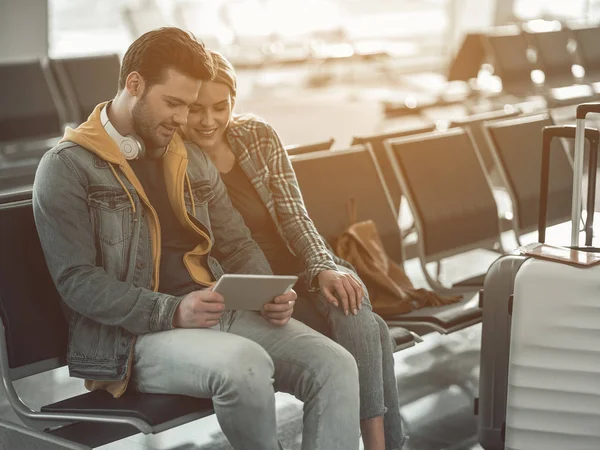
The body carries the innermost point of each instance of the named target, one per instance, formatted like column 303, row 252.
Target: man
column 135, row 230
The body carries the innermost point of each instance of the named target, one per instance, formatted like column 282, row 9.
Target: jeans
column 242, row 363
column 367, row 337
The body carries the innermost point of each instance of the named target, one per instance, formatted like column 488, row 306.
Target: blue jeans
column 241, row 364
column 367, row 337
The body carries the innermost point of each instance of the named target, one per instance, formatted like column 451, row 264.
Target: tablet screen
column 252, row 292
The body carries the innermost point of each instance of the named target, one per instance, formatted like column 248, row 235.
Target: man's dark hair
column 158, row 50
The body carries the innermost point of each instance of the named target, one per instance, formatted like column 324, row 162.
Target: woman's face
column 209, row 116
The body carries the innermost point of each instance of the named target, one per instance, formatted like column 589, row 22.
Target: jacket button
column 140, row 265
column 112, row 204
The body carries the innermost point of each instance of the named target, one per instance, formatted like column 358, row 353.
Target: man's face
column 161, row 109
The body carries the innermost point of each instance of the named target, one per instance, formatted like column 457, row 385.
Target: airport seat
column 451, row 199
column 29, row 108
column 16, row 436
column 31, row 117
column 508, row 51
column 361, row 183
column 35, row 343
column 468, row 59
column 552, row 50
column 376, row 141
column 373, row 202
column 86, row 81
column 444, row 320
column 555, row 58
column 588, row 52
column 20, row 173
column 475, row 125
column 403, row 338
column 517, row 148
column 308, row 148
column 423, row 102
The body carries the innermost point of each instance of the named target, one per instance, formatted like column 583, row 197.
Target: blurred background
column 346, row 58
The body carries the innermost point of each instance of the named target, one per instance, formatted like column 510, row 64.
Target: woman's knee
column 363, row 325
column 388, row 342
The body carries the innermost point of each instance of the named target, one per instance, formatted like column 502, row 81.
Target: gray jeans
column 241, row 364
column 367, row 337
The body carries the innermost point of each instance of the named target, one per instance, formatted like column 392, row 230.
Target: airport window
column 408, row 29
column 556, row 9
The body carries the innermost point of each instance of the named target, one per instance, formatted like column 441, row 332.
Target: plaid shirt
column 265, row 162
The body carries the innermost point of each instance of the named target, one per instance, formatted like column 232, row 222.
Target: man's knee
column 338, row 367
column 245, row 371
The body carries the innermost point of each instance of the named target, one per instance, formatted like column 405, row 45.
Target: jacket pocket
column 112, row 215
column 112, row 212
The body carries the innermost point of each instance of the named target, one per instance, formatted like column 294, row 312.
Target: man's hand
column 347, row 288
column 280, row 310
column 199, row 309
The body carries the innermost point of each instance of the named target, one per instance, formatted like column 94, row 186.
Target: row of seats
column 442, row 233
column 36, row 343
column 554, row 53
column 518, row 55
column 453, row 180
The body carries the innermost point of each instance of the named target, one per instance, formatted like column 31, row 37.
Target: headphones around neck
column 131, row 147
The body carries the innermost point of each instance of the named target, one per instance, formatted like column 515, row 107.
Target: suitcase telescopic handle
column 582, row 111
column 586, row 108
column 568, row 131
column 565, row 131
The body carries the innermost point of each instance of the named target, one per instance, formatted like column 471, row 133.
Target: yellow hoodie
column 92, row 136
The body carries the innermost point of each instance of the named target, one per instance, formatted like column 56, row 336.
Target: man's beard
column 144, row 127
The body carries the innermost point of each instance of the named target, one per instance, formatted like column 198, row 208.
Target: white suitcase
column 553, row 398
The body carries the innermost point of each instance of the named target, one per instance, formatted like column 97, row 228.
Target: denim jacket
column 101, row 240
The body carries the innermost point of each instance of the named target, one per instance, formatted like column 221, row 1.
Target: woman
column 262, row 186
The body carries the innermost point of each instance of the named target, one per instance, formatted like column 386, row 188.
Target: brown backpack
column 390, row 290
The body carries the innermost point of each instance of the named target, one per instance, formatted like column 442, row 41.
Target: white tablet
column 252, row 292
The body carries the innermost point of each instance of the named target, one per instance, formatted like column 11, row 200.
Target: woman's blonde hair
column 225, row 74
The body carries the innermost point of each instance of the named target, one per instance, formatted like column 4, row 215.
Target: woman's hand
column 345, row 286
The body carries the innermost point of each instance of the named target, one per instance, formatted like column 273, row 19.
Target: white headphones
column 131, row 147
